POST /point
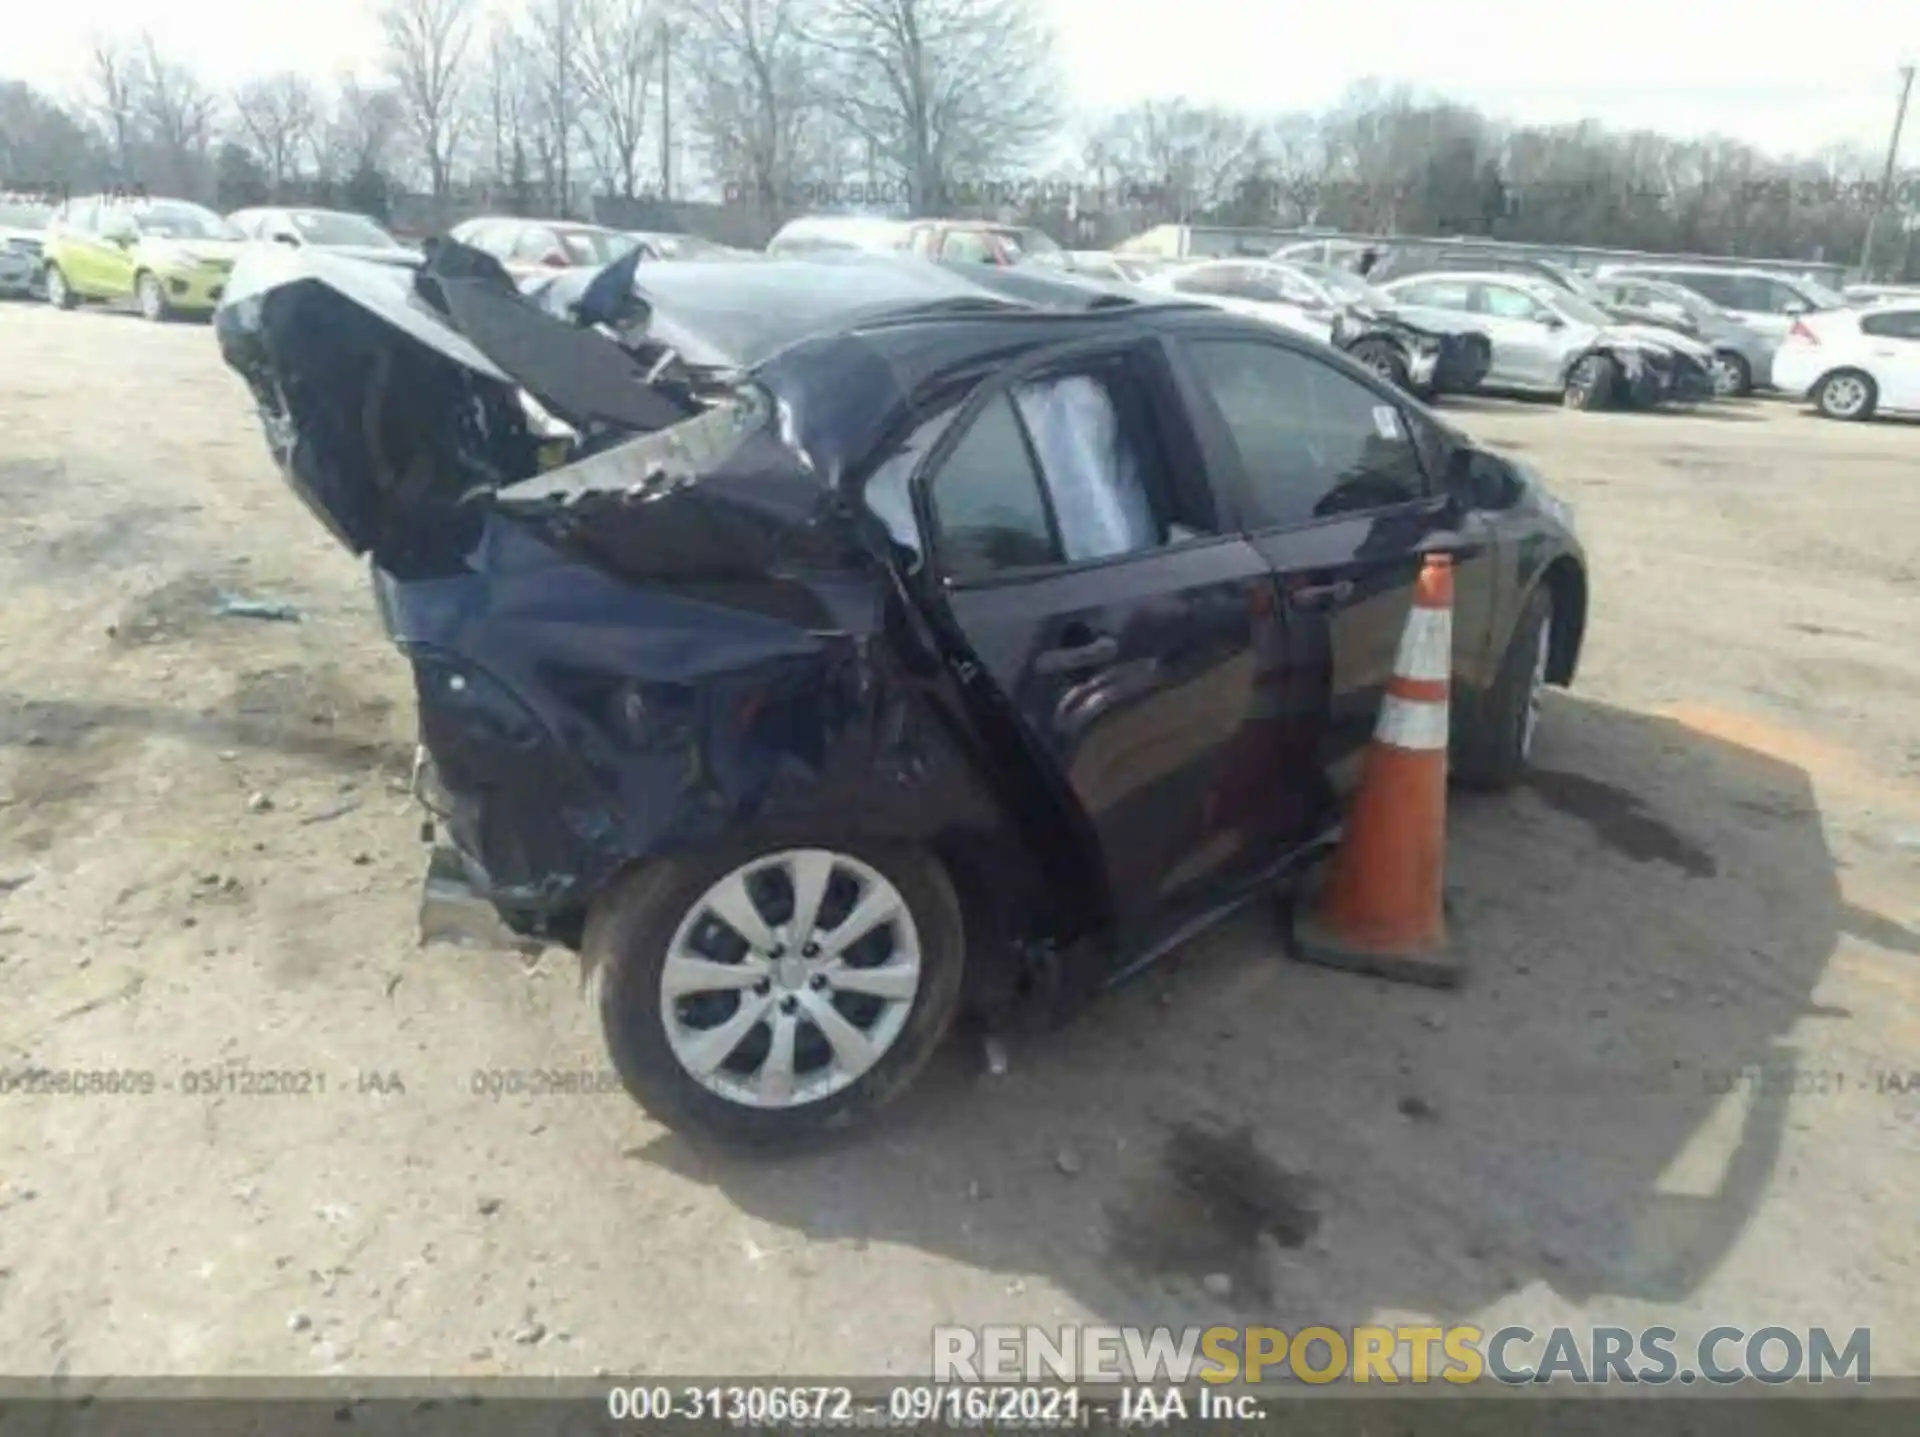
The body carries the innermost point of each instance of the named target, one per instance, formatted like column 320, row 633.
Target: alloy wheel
column 790, row 978
column 1727, row 377
column 1844, row 395
column 152, row 304
column 56, row 287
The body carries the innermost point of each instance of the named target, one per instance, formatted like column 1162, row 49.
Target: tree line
column 777, row 106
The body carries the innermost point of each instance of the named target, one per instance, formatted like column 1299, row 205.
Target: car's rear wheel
column 1732, row 377
column 1494, row 736
column 1591, row 382
column 766, row 997
column 153, row 299
column 59, row 293
column 1846, row 394
column 1384, row 360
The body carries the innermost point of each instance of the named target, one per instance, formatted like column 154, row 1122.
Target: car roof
column 1531, row 283
column 723, row 314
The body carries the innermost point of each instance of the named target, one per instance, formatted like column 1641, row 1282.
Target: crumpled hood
column 1648, row 336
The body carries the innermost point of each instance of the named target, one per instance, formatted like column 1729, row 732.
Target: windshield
column 25, row 217
column 1026, row 242
column 326, row 227
column 175, row 219
column 1576, row 307
column 595, row 246
column 1346, row 284
column 1819, row 295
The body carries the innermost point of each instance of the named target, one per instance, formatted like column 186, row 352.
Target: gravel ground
column 1670, row 1093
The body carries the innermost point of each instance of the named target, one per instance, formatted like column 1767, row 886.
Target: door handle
column 1089, row 655
column 1321, row 596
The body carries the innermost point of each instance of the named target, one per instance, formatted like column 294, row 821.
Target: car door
column 117, row 250
column 76, row 251
column 1892, row 340
column 1330, row 485
column 1527, row 337
column 1079, row 556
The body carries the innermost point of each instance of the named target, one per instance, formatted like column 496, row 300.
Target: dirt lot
column 1718, row 869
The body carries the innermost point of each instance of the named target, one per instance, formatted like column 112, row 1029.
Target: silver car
column 1549, row 340
column 1766, row 300
column 1742, row 354
column 23, row 228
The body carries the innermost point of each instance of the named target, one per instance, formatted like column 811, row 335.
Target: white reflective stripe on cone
column 1426, row 647
column 1412, row 723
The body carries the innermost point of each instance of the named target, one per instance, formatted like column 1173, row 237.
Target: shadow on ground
column 1646, row 918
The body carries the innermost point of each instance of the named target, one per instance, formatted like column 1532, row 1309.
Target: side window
column 968, row 246
column 988, row 501
column 1437, row 294
column 534, row 244
column 920, row 239
column 1093, row 467
column 1505, row 303
column 1716, row 287
column 1312, row 442
column 1208, row 279
column 1896, row 324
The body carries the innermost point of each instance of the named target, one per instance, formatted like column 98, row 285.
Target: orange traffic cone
column 1382, row 909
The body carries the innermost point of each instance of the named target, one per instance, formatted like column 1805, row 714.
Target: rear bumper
column 19, row 272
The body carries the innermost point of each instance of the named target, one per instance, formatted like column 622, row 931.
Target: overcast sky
column 1787, row 77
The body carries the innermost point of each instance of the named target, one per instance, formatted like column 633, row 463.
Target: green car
column 168, row 256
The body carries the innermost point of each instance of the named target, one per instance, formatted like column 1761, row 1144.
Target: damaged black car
column 824, row 646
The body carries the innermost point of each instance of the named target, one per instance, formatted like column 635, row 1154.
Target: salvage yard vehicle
column 533, row 247
column 977, row 241
column 1342, row 310
column 811, row 234
column 1768, row 301
column 1742, row 354
column 1547, row 340
column 23, row 229
column 1425, row 359
column 890, row 642
column 1855, row 363
column 662, row 244
column 168, row 256
column 339, row 231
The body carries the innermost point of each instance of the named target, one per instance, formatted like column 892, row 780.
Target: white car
column 873, row 233
column 23, row 229
column 1259, row 288
column 1549, row 340
column 1854, row 363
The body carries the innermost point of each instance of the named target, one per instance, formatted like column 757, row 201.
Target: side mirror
column 1552, row 321
column 1479, row 480
column 287, row 239
column 554, row 259
column 1795, row 307
column 124, row 238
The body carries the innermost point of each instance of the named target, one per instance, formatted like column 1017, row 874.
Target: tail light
column 1802, row 333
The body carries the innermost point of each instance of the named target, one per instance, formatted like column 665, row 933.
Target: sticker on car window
column 1386, row 422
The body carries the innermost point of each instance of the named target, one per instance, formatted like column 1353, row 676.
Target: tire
column 1846, row 394
column 1591, row 382
column 1732, row 375
column 1384, row 360
column 59, row 293
column 153, row 299
column 626, row 945
column 1493, row 742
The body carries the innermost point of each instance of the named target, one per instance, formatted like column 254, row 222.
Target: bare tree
column 114, row 75
column 760, row 115
column 553, row 35
column 427, row 42
column 358, row 133
column 279, row 115
column 1189, row 158
column 507, row 102
column 619, row 43
column 946, row 92
column 179, row 113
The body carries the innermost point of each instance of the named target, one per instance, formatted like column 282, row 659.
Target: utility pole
column 1886, row 177
column 666, row 112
